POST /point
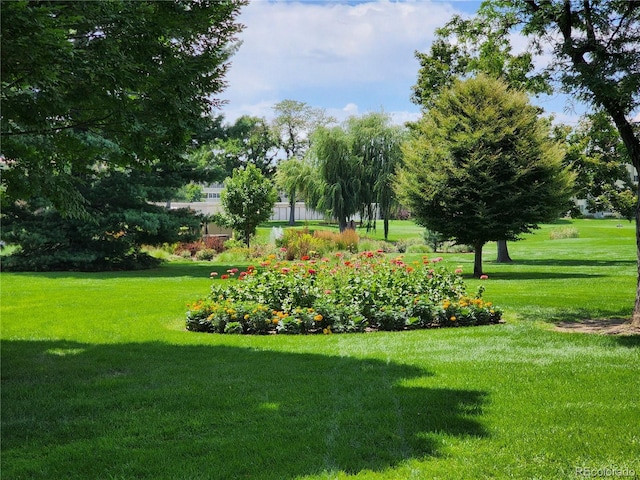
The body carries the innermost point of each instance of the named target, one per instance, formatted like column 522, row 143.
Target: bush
column 564, row 232
column 296, row 244
column 207, row 254
column 345, row 293
column 213, row 242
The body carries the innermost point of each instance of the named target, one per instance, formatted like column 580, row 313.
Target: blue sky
column 348, row 57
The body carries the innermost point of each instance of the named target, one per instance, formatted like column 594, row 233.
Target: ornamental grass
column 338, row 294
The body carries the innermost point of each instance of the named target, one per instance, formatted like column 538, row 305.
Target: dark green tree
column 110, row 237
column 481, row 166
column 117, row 88
column 248, row 198
column 478, row 45
column 247, row 140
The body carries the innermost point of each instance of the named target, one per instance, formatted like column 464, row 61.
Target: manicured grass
column 100, row 380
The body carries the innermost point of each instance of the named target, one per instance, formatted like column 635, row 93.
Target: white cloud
column 330, row 54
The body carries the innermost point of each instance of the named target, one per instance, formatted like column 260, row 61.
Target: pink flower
column 458, row 270
column 484, row 277
column 312, row 271
column 214, row 274
column 285, row 270
column 436, row 260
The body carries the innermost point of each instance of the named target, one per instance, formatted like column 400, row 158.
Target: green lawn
column 101, row 381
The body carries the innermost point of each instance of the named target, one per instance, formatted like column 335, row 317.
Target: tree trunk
column 292, row 207
column 503, row 252
column 342, row 224
column 633, row 147
column 635, row 318
column 386, row 228
column 477, row 261
column 292, row 212
column 613, row 105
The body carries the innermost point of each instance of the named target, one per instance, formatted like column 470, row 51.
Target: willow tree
column 295, row 177
column 340, row 174
column 377, row 143
column 480, row 166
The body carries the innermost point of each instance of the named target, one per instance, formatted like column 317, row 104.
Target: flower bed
column 345, row 293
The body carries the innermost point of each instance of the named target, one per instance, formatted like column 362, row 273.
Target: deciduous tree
column 481, row 166
column 596, row 58
column 248, row 198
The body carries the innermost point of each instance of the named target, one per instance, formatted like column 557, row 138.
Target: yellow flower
column 317, row 318
column 246, row 317
column 453, row 319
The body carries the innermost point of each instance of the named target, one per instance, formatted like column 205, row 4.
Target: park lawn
column 101, row 380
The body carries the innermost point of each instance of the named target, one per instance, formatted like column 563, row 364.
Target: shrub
column 419, row 249
column 564, row 232
column 213, row 242
column 345, row 293
column 347, row 240
column 206, row 254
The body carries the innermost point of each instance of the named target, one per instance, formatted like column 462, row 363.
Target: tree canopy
column 108, row 93
column 481, row 166
column 109, row 84
column 248, row 198
column 596, row 58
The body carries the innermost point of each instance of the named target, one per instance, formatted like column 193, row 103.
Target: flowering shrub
column 344, row 293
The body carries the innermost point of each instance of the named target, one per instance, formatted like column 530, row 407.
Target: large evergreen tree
column 480, row 166
column 112, row 88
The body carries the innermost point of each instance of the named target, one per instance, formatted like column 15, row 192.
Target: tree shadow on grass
column 152, row 410
column 579, row 262
column 167, row 270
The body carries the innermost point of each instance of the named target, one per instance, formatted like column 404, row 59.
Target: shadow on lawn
column 167, row 270
column 153, row 410
column 550, row 262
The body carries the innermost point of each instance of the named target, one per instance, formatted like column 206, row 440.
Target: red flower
column 312, row 271
column 305, row 257
column 224, row 277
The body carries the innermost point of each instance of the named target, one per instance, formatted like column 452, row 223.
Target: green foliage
column 480, row 166
column 472, row 46
column 247, row 140
column 297, row 244
column 599, row 159
column 355, row 164
column 248, row 199
column 120, row 223
column 434, row 239
column 346, row 294
column 108, row 84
